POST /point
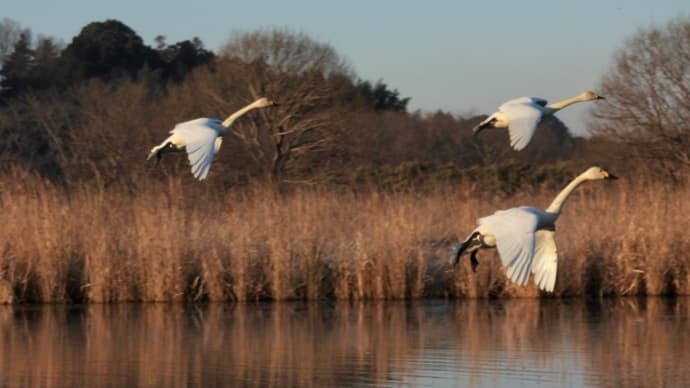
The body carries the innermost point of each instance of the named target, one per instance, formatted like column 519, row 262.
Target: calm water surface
column 612, row 343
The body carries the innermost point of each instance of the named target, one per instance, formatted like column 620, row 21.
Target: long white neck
column 228, row 122
column 556, row 106
column 558, row 202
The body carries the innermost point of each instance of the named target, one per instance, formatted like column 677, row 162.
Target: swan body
column 524, row 237
column 522, row 115
column 202, row 138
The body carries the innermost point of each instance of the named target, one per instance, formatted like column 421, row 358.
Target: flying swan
column 202, row 138
column 524, row 237
column 522, row 115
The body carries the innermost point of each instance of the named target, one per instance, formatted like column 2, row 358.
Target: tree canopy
column 18, row 68
column 110, row 95
column 648, row 96
column 108, row 49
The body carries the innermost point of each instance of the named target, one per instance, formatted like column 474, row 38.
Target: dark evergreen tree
column 16, row 72
column 378, row 97
column 46, row 55
column 107, row 50
column 180, row 58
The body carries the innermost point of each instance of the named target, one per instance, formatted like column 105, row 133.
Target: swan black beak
column 480, row 127
column 601, row 98
column 611, row 176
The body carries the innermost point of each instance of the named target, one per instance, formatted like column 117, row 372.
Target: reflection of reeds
column 621, row 342
column 170, row 242
column 166, row 345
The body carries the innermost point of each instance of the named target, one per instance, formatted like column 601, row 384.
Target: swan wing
column 545, row 260
column 514, row 232
column 525, row 100
column 519, row 101
column 199, row 137
column 523, row 117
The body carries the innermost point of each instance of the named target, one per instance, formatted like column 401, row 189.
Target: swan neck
column 558, row 202
column 228, row 122
column 556, row 106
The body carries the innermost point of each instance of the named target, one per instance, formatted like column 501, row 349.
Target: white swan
column 522, row 115
column 524, row 237
column 202, row 138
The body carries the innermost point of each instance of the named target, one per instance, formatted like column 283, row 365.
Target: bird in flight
column 522, row 115
column 202, row 138
column 524, row 236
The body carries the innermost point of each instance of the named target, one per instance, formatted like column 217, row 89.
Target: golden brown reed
column 173, row 241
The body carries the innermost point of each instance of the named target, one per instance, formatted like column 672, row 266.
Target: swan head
column 263, row 102
column 590, row 96
column 595, row 173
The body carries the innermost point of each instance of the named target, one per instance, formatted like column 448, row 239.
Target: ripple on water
column 435, row 343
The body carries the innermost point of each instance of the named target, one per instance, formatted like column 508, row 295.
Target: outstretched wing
column 545, row 260
column 514, row 232
column 200, row 142
column 524, row 116
column 526, row 100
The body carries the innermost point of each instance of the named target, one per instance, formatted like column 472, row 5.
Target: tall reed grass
column 177, row 242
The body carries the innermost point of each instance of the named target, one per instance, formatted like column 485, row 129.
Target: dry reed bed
column 178, row 242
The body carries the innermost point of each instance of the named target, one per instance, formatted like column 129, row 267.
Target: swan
column 522, row 115
column 202, row 138
column 524, row 236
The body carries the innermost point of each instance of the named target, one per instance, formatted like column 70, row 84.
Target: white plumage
column 202, row 138
column 521, row 116
column 524, row 237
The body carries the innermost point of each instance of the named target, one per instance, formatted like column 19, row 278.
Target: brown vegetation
column 173, row 242
column 364, row 199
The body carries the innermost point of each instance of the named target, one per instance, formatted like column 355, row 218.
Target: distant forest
column 88, row 111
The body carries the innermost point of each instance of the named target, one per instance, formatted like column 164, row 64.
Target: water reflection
column 468, row 343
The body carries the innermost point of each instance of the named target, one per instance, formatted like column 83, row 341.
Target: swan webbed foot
column 474, row 261
column 164, row 149
column 159, row 156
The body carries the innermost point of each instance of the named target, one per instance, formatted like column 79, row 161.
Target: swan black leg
column 168, row 147
column 474, row 261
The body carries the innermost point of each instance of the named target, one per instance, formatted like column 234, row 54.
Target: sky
column 460, row 57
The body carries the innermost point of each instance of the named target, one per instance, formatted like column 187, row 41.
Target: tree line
column 89, row 110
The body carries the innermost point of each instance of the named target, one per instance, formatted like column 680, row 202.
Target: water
column 528, row 343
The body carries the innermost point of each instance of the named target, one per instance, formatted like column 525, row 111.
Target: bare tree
column 113, row 131
column 306, row 79
column 10, row 31
column 648, row 95
column 34, row 129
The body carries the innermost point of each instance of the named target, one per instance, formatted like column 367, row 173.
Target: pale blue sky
column 462, row 57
